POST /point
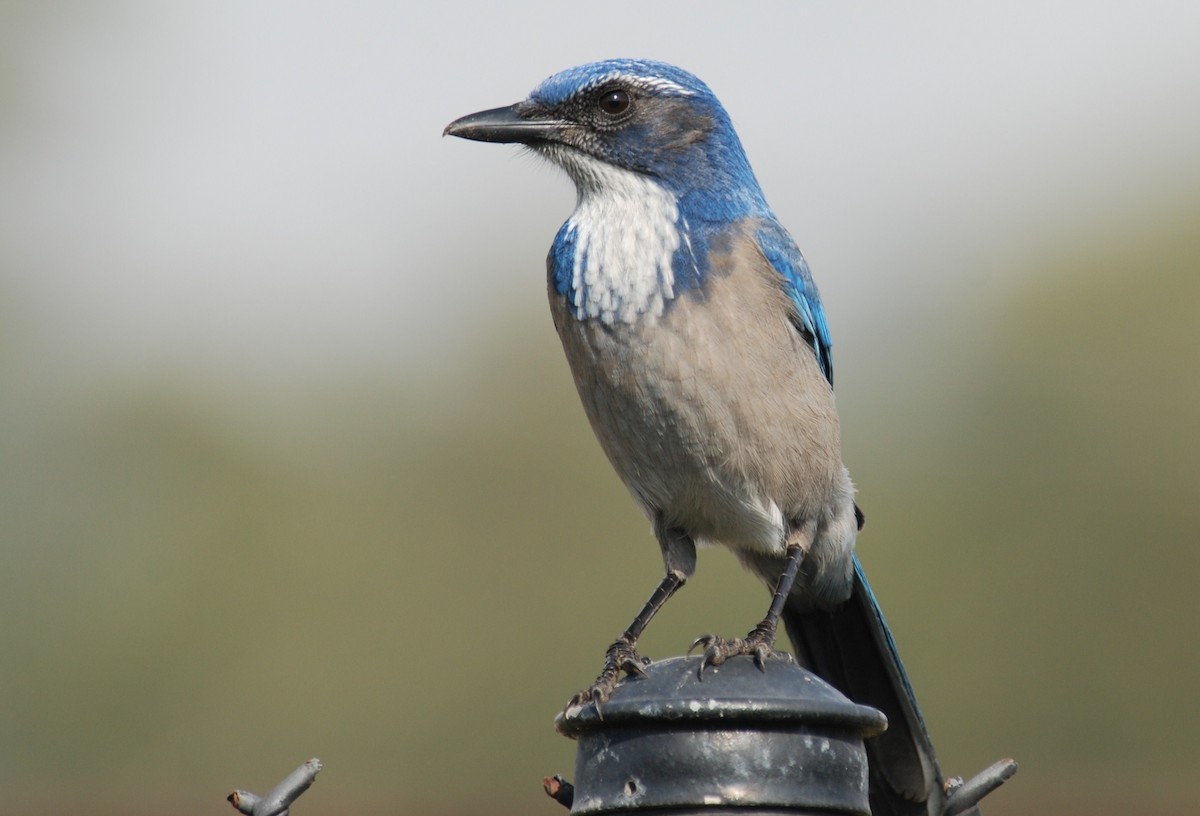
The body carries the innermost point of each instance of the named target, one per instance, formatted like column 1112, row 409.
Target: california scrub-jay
column 701, row 353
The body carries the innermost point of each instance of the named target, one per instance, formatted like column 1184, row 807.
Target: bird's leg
column 622, row 655
column 759, row 643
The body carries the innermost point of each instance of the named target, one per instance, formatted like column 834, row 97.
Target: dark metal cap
column 780, row 740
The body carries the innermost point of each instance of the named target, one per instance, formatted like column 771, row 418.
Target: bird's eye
column 615, row 102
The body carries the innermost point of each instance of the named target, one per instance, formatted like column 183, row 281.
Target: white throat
column 625, row 237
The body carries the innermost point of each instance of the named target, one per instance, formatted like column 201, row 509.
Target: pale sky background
column 240, row 187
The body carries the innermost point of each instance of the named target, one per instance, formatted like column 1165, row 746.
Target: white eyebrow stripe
column 651, row 83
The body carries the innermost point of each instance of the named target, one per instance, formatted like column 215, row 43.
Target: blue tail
column 851, row 647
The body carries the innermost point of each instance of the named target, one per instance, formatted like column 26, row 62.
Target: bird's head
column 641, row 116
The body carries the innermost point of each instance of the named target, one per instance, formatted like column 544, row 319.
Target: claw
column 758, row 644
column 621, row 658
column 634, row 667
column 711, row 658
column 599, row 698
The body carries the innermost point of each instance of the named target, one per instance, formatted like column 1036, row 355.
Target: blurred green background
column 290, row 463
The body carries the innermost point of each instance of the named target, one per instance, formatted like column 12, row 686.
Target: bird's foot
column 759, row 644
column 621, row 658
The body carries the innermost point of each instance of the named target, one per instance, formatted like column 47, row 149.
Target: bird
column 701, row 352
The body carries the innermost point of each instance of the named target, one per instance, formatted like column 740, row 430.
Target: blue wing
column 782, row 253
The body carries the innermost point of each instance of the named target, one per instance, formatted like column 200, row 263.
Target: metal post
column 740, row 740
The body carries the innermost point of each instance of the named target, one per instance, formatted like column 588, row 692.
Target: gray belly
column 726, row 428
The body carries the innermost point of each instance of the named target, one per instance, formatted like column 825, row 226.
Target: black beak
column 521, row 122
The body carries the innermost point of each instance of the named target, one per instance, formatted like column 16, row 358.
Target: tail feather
column 850, row 647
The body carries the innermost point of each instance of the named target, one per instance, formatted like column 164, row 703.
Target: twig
column 277, row 802
column 560, row 790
